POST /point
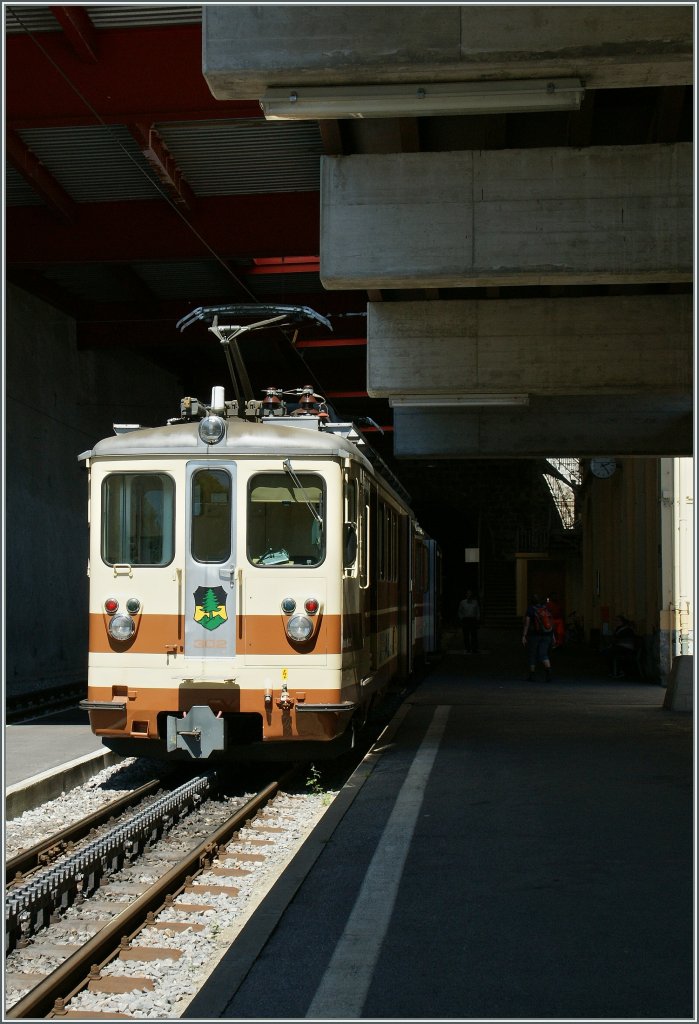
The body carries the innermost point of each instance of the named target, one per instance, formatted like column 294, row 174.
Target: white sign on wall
column 471, row 555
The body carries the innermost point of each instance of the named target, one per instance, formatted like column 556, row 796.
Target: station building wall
column 59, row 401
column 622, row 554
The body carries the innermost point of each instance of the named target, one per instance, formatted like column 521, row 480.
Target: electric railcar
column 255, row 582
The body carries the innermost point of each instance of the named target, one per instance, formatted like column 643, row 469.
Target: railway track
column 50, row 849
column 88, row 925
column 27, row 706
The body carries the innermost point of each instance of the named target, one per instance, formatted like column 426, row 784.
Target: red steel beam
column 232, row 226
column 273, row 261
column 312, row 266
column 163, row 163
column 78, row 30
column 146, row 74
column 332, row 343
column 41, row 180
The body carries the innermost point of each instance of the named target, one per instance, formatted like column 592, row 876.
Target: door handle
column 227, row 574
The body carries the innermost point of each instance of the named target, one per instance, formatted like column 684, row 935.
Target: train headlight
column 311, row 606
column 121, row 627
column 299, row 628
column 288, row 606
column 212, row 429
column 133, row 605
column 111, row 605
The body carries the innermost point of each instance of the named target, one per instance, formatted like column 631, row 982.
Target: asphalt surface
column 518, row 850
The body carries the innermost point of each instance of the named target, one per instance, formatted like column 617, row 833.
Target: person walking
column 537, row 636
column 469, row 618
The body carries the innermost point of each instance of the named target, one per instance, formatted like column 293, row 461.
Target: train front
column 216, row 588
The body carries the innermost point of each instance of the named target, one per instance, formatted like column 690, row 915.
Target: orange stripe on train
column 255, row 634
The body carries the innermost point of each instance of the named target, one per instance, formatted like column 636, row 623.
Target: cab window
column 211, row 515
column 138, row 519
column 286, row 522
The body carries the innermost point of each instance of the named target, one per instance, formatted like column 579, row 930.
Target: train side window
column 286, row 522
column 364, row 564
column 211, row 515
column 381, row 541
column 392, row 542
column 138, row 519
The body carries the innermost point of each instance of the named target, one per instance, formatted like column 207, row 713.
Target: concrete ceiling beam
column 563, row 427
column 249, row 47
column 603, row 215
column 603, row 345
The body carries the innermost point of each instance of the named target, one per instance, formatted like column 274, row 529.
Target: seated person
column 622, row 653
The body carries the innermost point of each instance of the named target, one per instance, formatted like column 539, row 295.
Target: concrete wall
column 603, row 215
column 59, row 402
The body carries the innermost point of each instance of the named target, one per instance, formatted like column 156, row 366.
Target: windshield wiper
column 314, row 512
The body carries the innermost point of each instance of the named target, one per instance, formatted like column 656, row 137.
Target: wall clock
column 603, row 468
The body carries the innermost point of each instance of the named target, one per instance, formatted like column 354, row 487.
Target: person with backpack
column 559, row 624
column 537, row 636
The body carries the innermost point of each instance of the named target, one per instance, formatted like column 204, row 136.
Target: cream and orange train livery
column 254, row 584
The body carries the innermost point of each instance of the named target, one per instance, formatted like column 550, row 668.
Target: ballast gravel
column 176, row 981
column 108, row 785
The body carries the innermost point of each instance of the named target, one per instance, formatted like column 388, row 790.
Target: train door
column 432, row 590
column 210, row 561
column 355, row 577
column 372, row 593
column 419, row 582
column 366, row 569
column 405, row 618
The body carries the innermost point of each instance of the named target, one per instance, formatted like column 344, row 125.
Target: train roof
column 288, row 437
column 242, row 438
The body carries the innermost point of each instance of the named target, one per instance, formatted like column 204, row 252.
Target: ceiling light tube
column 415, row 99
column 446, row 401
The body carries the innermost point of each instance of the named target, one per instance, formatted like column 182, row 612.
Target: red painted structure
column 80, row 76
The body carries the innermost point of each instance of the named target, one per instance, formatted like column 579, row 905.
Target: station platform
column 47, row 755
column 510, row 850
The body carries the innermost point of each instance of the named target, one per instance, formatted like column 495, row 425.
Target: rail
column 53, row 992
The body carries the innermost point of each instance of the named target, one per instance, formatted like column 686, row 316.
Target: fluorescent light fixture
column 451, row 401
column 415, row 100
